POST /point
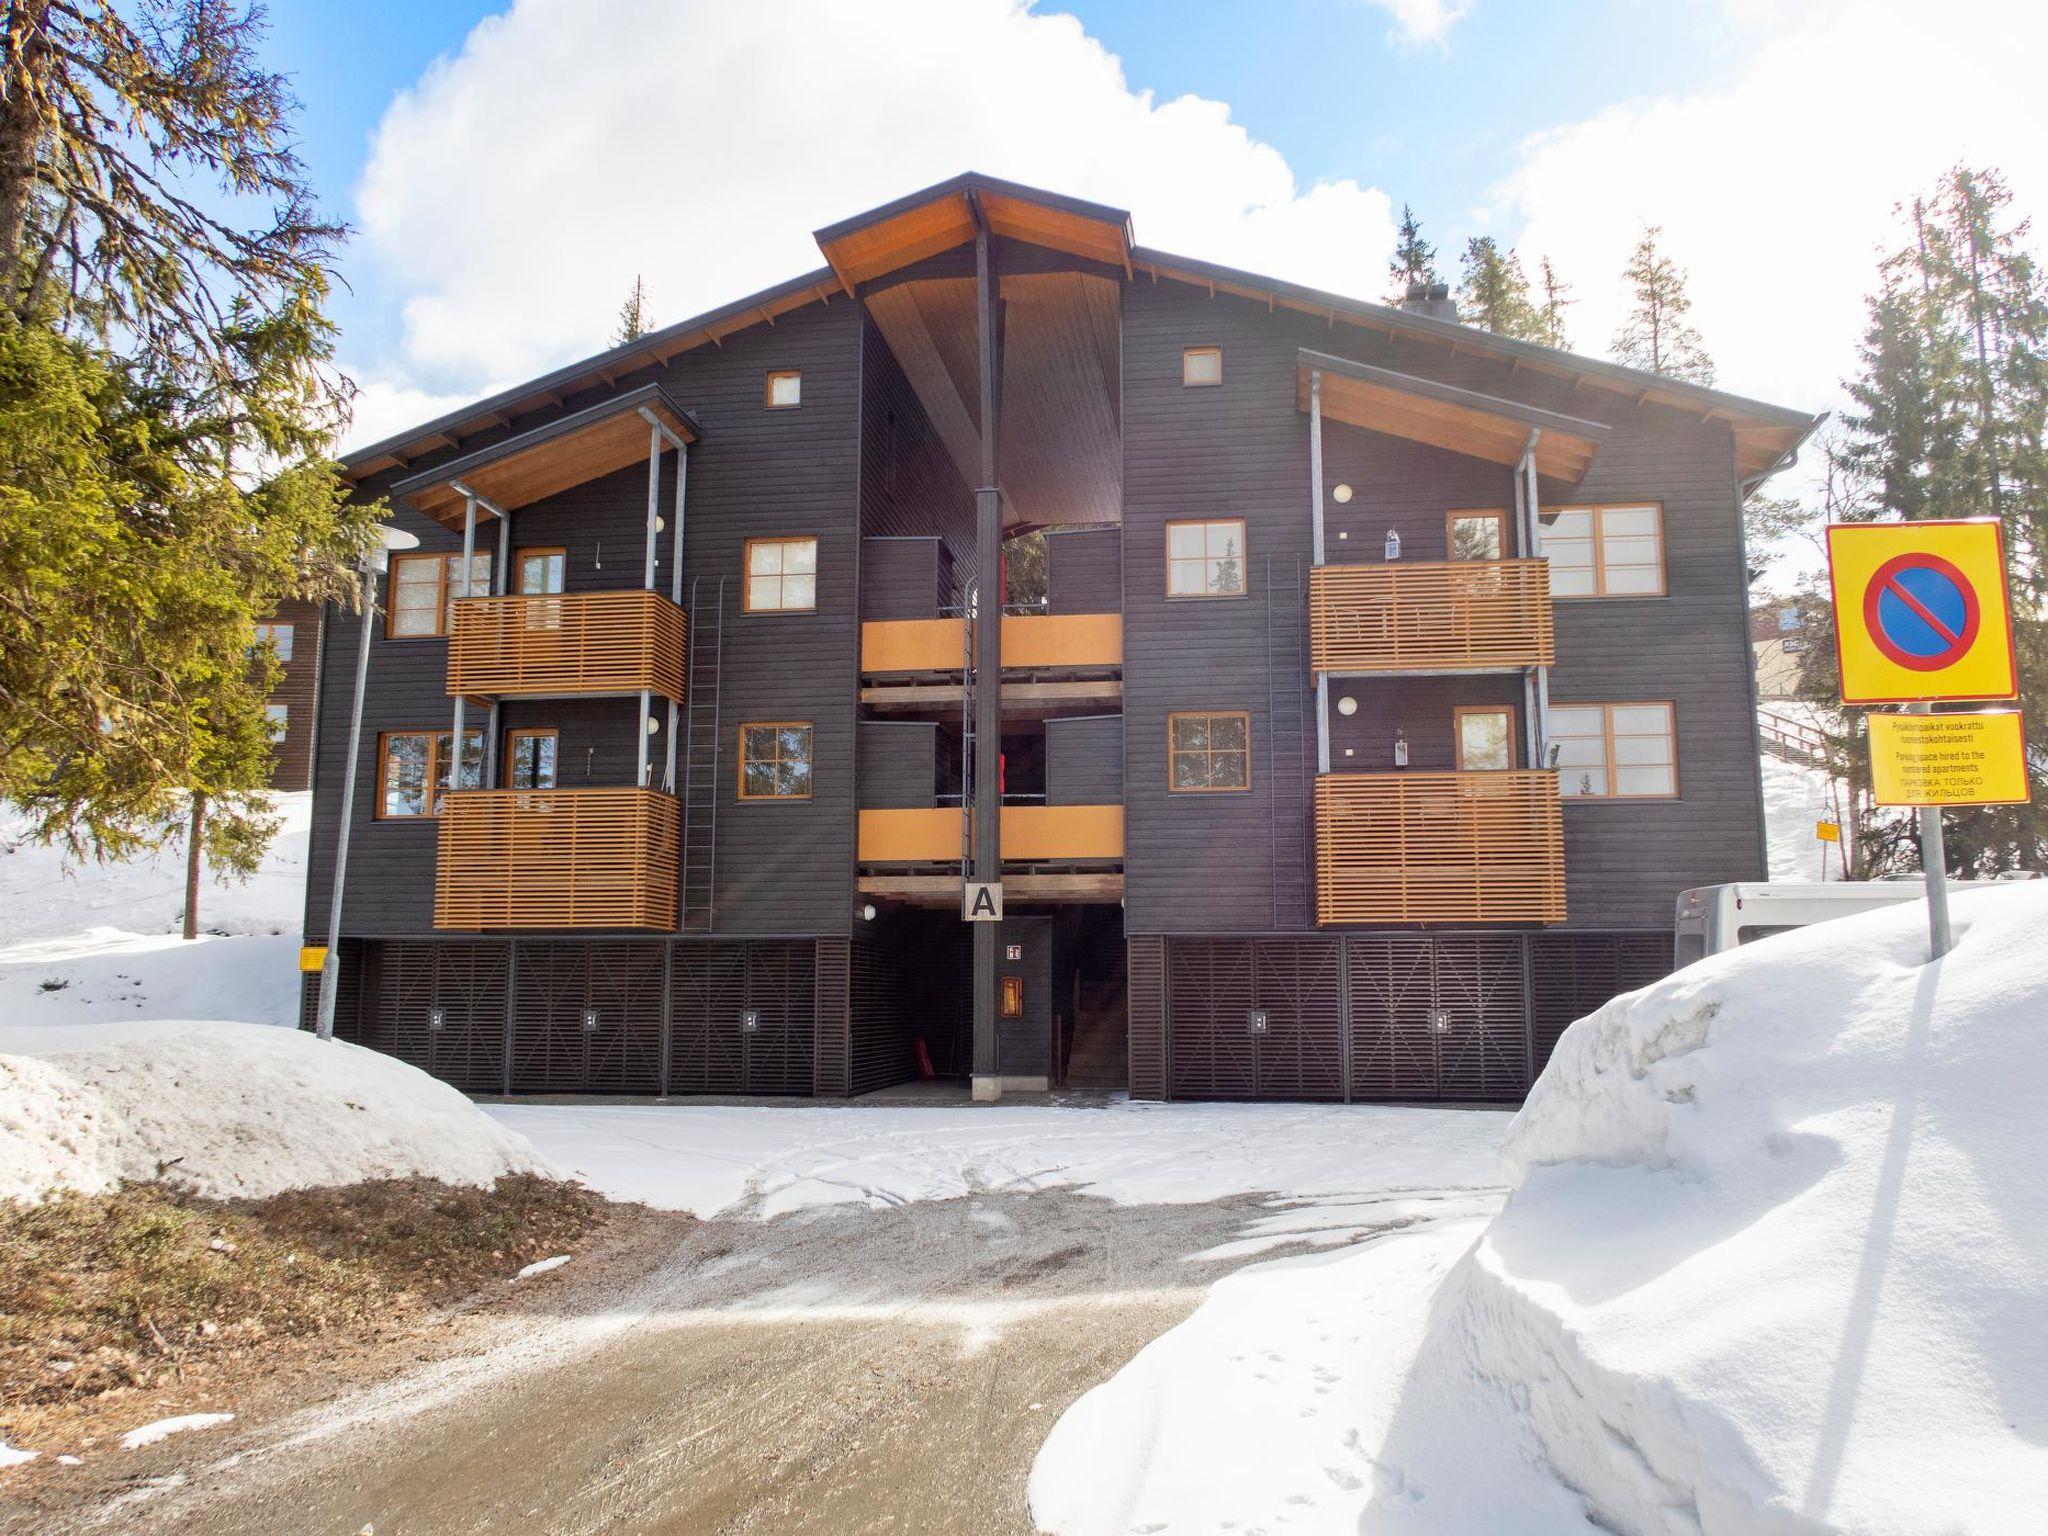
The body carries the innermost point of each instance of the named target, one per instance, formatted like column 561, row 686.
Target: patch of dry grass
column 143, row 1286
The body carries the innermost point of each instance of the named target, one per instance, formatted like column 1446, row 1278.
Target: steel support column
column 988, row 670
column 461, row 591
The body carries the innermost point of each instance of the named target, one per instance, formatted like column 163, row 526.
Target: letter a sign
column 1920, row 611
column 982, row 901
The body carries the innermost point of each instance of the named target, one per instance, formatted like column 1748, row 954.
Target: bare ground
column 838, row 1370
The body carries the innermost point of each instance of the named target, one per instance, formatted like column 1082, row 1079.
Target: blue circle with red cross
column 1921, row 611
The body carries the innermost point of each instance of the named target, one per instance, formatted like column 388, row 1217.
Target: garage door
column 1254, row 1019
column 1437, row 1017
column 742, row 1017
column 587, row 1018
column 441, row 1006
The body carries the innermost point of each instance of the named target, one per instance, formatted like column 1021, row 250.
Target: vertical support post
column 330, row 963
column 501, row 586
column 1322, row 722
column 461, row 591
column 675, row 595
column 653, row 504
column 640, row 729
column 988, row 677
column 1934, row 868
column 1315, row 462
column 1539, row 725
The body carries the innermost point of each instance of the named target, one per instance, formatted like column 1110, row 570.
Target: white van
column 1712, row 918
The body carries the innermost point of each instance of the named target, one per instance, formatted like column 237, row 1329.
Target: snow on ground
column 1772, row 1264
column 227, row 1110
column 84, row 943
column 163, row 1429
column 1345, row 1163
column 1795, row 798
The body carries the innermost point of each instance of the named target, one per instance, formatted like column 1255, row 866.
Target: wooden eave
column 1444, row 416
column 549, row 459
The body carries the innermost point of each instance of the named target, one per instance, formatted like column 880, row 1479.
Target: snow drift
column 1772, row 1262
column 230, row 1110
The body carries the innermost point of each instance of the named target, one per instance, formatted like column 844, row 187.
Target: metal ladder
column 1287, row 751
column 700, row 761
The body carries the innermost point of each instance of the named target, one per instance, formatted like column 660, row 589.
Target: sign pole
column 1934, row 864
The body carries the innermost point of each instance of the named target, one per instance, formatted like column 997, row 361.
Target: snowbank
column 227, row 1110
column 1773, row 1263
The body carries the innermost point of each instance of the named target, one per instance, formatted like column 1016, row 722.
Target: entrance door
column 1437, row 1017
column 1485, row 737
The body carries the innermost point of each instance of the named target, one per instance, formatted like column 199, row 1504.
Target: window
column 784, row 390
column 775, row 760
column 1478, row 535
column 279, row 637
column 782, row 575
column 1013, row 997
column 409, row 761
column 279, row 716
column 1205, row 559
column 1615, row 751
column 1485, row 737
column 1605, row 551
column 1201, row 365
column 540, row 571
column 1209, row 752
column 530, row 759
column 423, row 592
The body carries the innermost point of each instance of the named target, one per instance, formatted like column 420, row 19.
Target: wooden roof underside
column 1443, row 417
column 550, row 459
column 1059, row 459
column 906, row 234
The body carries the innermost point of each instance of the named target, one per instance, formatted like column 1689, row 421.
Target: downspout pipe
column 1532, row 521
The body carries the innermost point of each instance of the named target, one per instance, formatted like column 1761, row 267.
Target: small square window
column 1207, row 752
column 785, row 389
column 782, row 576
column 279, row 716
column 775, row 760
column 1205, row 559
column 279, row 638
column 1201, row 365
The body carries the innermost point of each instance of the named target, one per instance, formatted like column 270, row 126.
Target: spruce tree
column 1656, row 337
column 636, row 318
column 167, row 413
column 1414, row 258
column 1550, row 313
column 1948, row 416
column 1493, row 293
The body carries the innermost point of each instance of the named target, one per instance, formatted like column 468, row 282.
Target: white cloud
column 516, row 189
column 1423, row 21
column 1776, row 188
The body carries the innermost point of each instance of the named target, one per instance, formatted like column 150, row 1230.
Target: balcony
column 566, row 644
column 1043, row 642
column 1431, row 616
column 1031, row 834
column 557, row 858
column 1439, row 848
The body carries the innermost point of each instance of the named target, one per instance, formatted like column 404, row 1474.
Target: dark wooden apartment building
column 1339, row 694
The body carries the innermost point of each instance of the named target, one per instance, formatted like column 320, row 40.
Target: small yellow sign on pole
column 1975, row 759
column 312, row 957
column 1828, row 831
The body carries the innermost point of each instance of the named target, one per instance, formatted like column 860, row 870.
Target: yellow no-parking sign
column 1921, row 611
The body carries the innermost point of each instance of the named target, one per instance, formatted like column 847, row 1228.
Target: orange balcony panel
column 1062, row 832
column 912, row 645
column 918, row 835
column 1063, row 640
column 567, row 643
column 557, row 858
column 1430, row 616
column 1439, row 848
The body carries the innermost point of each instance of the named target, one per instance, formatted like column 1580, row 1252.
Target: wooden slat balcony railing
column 557, row 858
column 1037, row 641
column 567, row 643
column 1439, row 848
column 1430, row 616
column 1031, row 833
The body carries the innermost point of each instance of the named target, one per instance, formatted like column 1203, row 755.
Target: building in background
column 1389, row 680
column 1777, row 631
column 294, row 632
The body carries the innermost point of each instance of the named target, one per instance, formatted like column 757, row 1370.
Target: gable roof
column 941, row 217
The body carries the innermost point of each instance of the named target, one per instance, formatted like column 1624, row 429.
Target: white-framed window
column 1615, row 751
column 784, row 390
column 280, row 717
column 279, row 637
column 1609, row 551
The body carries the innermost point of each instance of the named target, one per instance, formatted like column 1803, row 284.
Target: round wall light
column 1342, row 493
column 1347, row 705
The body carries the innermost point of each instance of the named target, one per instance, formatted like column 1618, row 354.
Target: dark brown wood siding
column 298, row 690
column 1084, row 570
column 903, row 577
column 898, row 764
column 1084, row 760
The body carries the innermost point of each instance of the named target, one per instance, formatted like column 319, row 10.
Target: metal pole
column 1934, row 866
column 653, row 503
column 645, row 700
column 988, row 675
column 675, row 594
column 455, row 753
column 1315, row 462
column 330, row 963
column 1322, row 722
column 1539, row 736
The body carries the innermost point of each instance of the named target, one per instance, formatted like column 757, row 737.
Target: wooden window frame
column 448, row 559
column 740, row 761
column 768, row 400
column 1458, row 714
column 1244, row 559
column 1598, row 511
column 433, row 733
column 1607, row 709
column 1209, row 789
column 1187, row 354
column 747, row 571
column 536, row 551
column 1012, row 998
column 1499, row 515
column 511, row 755
column 267, row 633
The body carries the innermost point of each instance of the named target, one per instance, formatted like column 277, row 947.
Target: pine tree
column 1414, row 258
column 1656, row 337
column 167, row 411
column 1550, row 314
column 636, row 318
column 1493, row 293
column 1948, row 417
